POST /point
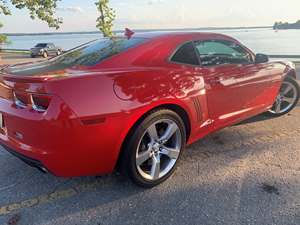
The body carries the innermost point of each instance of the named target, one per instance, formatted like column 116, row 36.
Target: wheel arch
column 291, row 73
column 173, row 107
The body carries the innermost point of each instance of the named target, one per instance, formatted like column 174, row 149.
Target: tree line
column 285, row 25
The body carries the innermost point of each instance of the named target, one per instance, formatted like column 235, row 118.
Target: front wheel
column 45, row 55
column 153, row 149
column 287, row 98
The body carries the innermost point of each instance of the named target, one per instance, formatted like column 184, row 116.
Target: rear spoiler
column 128, row 33
column 19, row 79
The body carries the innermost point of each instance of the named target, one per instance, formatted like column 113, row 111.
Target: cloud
column 76, row 9
column 152, row 2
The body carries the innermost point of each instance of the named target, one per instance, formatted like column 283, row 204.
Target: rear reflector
column 92, row 121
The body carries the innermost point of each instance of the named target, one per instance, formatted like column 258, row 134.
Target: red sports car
column 134, row 103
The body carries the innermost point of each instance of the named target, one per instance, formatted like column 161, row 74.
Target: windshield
column 95, row 52
column 41, row 45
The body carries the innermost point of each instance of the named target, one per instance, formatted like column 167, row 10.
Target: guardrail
column 285, row 56
column 14, row 50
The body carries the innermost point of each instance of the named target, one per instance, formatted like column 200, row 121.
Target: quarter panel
column 133, row 93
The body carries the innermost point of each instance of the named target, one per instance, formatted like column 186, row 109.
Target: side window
column 186, row 54
column 221, row 52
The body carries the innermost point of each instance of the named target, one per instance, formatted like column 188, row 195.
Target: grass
column 15, row 51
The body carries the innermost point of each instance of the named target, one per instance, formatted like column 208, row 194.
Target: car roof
column 44, row 43
column 159, row 46
column 183, row 35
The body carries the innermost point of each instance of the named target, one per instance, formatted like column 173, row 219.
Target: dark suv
column 45, row 50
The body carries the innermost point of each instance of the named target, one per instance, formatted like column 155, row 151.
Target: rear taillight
column 21, row 99
column 5, row 91
column 37, row 102
column 40, row 103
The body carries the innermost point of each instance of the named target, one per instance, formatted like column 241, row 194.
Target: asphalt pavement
column 245, row 174
column 298, row 70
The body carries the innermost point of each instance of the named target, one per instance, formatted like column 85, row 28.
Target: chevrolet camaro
column 133, row 103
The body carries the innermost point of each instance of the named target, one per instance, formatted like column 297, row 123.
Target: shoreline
column 142, row 30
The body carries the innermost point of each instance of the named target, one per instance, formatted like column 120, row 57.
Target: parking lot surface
column 244, row 174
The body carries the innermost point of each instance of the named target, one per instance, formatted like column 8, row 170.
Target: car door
column 236, row 86
column 51, row 49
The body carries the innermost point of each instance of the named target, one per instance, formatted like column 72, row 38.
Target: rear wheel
column 287, row 98
column 153, row 149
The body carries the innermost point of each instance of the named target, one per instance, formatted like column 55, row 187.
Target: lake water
column 259, row 40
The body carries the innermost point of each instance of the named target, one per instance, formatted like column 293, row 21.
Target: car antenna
column 128, row 33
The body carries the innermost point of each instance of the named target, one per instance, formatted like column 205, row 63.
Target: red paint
column 92, row 109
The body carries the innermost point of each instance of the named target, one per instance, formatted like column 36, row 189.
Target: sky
column 80, row 15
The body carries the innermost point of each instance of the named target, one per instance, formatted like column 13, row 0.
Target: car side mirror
column 261, row 58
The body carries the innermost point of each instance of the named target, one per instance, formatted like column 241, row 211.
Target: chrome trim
column 36, row 107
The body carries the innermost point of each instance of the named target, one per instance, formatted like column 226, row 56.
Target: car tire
column 32, row 56
column 45, row 55
column 139, row 146
column 58, row 52
column 287, row 98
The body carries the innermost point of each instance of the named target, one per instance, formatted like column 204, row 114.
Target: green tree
column 3, row 38
column 106, row 18
column 40, row 9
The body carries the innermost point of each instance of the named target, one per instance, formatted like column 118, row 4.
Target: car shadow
column 261, row 118
column 113, row 199
column 256, row 119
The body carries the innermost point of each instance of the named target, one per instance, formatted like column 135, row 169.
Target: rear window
column 86, row 55
column 95, row 52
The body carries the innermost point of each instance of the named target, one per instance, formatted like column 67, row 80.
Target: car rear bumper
column 29, row 161
column 82, row 150
column 60, row 142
